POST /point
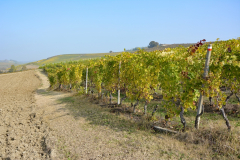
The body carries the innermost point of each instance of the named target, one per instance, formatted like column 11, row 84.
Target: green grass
column 66, row 100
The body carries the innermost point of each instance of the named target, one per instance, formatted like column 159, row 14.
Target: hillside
column 162, row 47
column 74, row 57
column 70, row 57
column 5, row 64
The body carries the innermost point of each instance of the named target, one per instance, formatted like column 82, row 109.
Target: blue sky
column 38, row 29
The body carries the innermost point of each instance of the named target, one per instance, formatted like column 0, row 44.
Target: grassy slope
column 71, row 57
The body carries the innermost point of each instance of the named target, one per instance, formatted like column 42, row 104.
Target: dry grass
column 211, row 141
column 214, row 142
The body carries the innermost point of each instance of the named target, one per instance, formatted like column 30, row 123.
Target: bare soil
column 31, row 66
column 23, row 132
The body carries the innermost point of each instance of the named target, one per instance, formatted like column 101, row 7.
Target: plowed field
column 22, row 131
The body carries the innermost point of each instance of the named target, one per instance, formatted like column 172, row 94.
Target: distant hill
column 162, row 47
column 74, row 57
column 5, row 64
column 70, row 57
column 8, row 61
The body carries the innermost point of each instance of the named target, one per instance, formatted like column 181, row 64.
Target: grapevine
column 178, row 72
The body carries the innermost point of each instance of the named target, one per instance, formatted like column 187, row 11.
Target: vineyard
column 177, row 75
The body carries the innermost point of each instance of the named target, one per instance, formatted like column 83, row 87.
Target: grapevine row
column 178, row 72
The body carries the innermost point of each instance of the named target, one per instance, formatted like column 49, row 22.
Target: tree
column 153, row 44
column 24, row 68
column 135, row 49
column 12, row 69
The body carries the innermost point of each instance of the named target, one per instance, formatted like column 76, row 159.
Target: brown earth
column 22, row 129
column 31, row 66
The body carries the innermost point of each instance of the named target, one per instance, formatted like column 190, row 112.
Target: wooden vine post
column 205, row 75
column 86, row 79
column 119, row 100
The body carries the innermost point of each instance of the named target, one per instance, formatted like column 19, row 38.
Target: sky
column 33, row 30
